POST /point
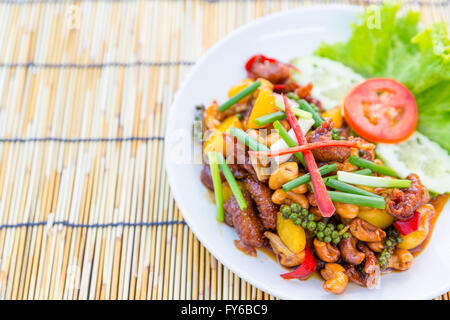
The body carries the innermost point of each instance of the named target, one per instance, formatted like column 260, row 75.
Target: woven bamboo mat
column 85, row 208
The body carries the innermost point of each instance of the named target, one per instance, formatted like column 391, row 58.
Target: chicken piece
column 206, row 177
column 262, row 196
column 327, row 154
column 276, row 72
column 402, row 203
column 246, row 222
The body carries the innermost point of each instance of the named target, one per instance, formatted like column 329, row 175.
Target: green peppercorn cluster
column 324, row 232
column 393, row 238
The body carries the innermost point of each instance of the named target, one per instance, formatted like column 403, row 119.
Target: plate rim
column 172, row 180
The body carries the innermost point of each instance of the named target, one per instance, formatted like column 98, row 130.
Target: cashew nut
column 292, row 260
column 376, row 246
column 301, row 189
column 336, row 279
column 371, row 267
column 364, row 231
column 326, row 252
column 280, row 197
column 287, row 257
column 416, row 238
column 316, row 212
column 284, row 173
column 312, row 199
column 346, row 211
column 298, row 198
column 349, row 252
column 400, row 260
column 347, row 166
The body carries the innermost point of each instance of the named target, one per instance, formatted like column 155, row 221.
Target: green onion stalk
column 298, row 112
column 253, row 144
column 364, row 201
column 237, row 97
column 344, row 187
column 217, row 183
column 304, row 105
column 231, row 181
column 307, row 177
column 370, row 181
column 363, row 163
column 269, row 118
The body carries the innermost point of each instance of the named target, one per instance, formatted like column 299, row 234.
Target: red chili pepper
column 407, row 226
column 279, row 87
column 305, row 269
column 311, row 146
column 251, row 61
column 324, row 202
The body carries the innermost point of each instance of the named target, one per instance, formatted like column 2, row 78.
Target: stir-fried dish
column 306, row 182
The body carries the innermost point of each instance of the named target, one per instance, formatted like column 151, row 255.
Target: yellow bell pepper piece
column 335, row 115
column 234, row 90
column 264, row 104
column 231, row 122
column 226, row 191
column 292, row 235
column 377, row 217
column 265, row 84
column 215, row 142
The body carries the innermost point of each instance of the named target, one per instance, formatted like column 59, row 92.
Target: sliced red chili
column 324, row 202
column 251, row 61
column 311, row 146
column 305, row 269
column 279, row 87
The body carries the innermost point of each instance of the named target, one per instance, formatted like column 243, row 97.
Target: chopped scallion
column 298, row 112
column 242, row 94
column 359, row 200
column 269, row 118
column 304, row 105
column 253, row 144
column 370, row 181
column 217, row 183
column 365, row 172
column 344, row 187
column 231, row 181
column 363, row 163
column 307, row 177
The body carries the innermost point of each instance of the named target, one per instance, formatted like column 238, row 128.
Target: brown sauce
column 438, row 204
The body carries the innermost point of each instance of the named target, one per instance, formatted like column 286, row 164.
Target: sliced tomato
column 381, row 110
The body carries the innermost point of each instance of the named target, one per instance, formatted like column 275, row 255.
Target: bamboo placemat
column 85, row 208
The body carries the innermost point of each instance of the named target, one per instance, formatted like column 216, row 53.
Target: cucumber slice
column 421, row 156
column 331, row 80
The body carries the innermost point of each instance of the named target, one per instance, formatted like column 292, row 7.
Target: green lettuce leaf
column 387, row 44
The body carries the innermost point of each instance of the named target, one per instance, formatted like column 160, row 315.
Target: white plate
column 283, row 35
